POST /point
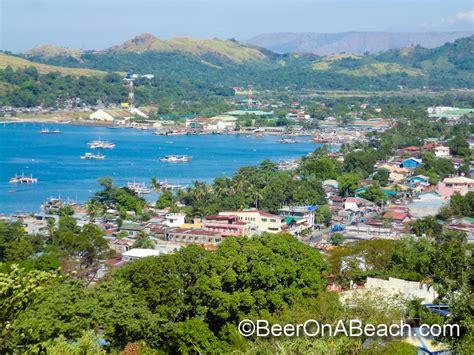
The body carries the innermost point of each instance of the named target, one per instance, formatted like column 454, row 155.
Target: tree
column 17, row 289
column 94, row 208
column 427, row 226
column 323, row 215
column 336, row 239
column 450, row 263
column 166, row 199
column 348, row 183
column 374, row 194
column 382, row 176
column 458, row 146
column 144, row 241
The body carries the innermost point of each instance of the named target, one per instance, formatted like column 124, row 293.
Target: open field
column 16, row 62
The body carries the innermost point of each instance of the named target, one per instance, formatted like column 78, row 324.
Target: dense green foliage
column 206, row 78
column 262, row 186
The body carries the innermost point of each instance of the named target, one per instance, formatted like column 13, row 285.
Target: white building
column 138, row 253
column 174, row 219
column 408, row 289
column 110, row 115
column 441, row 151
column 259, row 221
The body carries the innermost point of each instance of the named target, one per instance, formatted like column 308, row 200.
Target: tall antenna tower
column 130, row 78
column 249, row 101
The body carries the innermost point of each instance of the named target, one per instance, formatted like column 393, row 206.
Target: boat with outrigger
column 48, row 131
column 23, row 179
column 90, row 156
column 165, row 185
column 101, row 144
column 176, row 159
column 139, row 188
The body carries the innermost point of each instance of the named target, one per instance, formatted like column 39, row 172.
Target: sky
column 98, row 24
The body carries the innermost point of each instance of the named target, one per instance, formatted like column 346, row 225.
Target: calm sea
column 55, row 160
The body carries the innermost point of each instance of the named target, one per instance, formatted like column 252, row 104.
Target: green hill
column 19, row 63
column 230, row 63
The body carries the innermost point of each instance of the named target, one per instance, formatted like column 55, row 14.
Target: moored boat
column 176, row 159
column 91, row 156
column 22, row 179
column 101, row 144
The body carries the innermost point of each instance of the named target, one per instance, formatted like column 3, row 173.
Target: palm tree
column 51, row 227
column 93, row 208
column 144, row 241
column 154, row 183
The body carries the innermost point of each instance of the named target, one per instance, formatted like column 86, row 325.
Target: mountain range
column 226, row 63
column 351, row 42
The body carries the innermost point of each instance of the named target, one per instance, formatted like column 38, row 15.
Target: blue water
column 55, row 160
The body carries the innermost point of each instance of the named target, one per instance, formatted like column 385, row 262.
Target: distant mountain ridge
column 230, row 49
column 351, row 42
column 232, row 63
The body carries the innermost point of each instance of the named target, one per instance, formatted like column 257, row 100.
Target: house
column 397, row 173
column 459, row 184
column 409, row 289
column 411, row 163
column 305, row 214
column 138, row 253
column 174, row 219
column 419, row 180
column 225, row 225
column 193, row 236
column 399, row 215
column 131, row 229
column 441, row 151
column 259, row 221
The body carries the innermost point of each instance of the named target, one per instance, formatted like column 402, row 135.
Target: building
column 303, row 215
column 225, row 225
column 132, row 229
column 174, row 219
column 459, row 184
column 111, row 115
column 419, row 180
column 259, row 221
column 441, row 151
column 193, row 236
column 411, row 163
column 408, row 289
column 138, row 253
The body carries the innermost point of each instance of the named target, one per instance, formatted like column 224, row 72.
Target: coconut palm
column 144, row 241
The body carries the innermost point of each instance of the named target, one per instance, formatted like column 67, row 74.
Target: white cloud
column 465, row 16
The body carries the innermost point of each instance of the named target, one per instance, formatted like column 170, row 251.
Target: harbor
column 55, row 161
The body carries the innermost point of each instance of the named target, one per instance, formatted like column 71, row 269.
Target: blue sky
column 101, row 23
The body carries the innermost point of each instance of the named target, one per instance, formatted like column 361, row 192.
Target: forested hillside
column 190, row 70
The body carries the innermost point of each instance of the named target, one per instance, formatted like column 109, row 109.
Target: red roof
column 397, row 216
column 221, row 217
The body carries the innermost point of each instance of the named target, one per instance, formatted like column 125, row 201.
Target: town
column 290, row 177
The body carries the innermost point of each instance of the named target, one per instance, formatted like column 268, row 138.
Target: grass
column 17, row 63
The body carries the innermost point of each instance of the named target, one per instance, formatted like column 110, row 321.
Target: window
column 272, row 220
column 264, row 219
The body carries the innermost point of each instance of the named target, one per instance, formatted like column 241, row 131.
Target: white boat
column 176, row 158
column 101, row 144
column 47, row 131
column 139, row 188
column 91, row 156
column 22, row 179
